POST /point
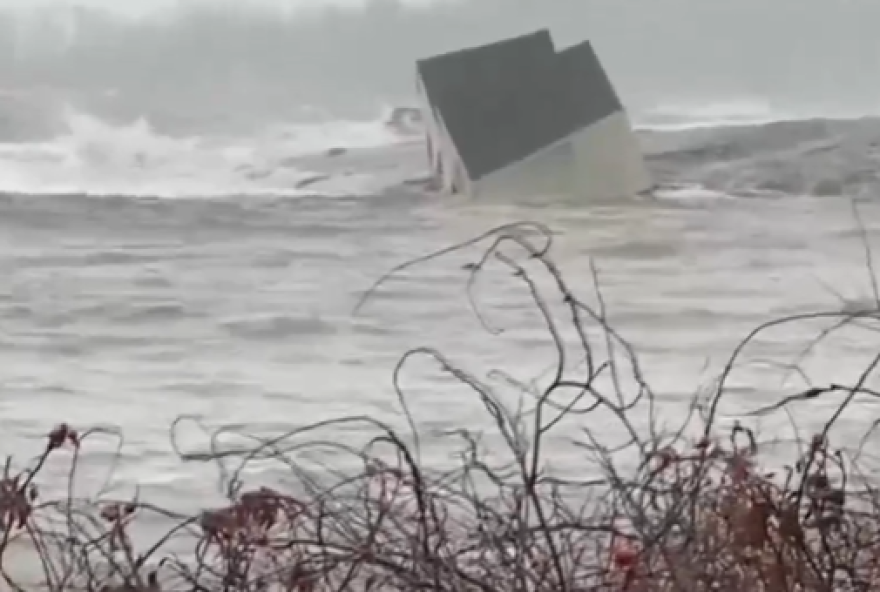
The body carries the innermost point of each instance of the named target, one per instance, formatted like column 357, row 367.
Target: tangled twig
column 665, row 510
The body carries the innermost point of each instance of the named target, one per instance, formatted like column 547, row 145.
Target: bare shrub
column 691, row 510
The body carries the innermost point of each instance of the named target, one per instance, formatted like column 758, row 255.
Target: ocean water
column 176, row 240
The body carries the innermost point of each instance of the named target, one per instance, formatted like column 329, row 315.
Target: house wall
column 608, row 161
column 444, row 162
column 546, row 173
column 599, row 162
column 432, row 134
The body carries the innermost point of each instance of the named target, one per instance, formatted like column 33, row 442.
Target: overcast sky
column 141, row 6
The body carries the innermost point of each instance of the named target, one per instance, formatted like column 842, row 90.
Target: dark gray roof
column 506, row 100
column 587, row 93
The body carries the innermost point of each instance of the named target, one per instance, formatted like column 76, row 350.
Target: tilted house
column 516, row 116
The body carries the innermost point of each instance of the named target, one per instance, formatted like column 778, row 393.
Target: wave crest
column 90, row 155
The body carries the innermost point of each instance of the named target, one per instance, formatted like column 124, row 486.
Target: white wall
column 600, row 162
column 444, row 151
column 609, row 162
column 545, row 173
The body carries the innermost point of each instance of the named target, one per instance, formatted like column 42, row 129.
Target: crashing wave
column 821, row 157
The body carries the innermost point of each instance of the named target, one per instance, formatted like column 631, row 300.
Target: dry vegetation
column 695, row 513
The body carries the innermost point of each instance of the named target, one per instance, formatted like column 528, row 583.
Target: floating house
column 519, row 117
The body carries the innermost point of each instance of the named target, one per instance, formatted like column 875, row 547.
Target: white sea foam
column 92, row 156
column 687, row 115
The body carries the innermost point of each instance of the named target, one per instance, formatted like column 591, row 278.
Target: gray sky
column 142, row 6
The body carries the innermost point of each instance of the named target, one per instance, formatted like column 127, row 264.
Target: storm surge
column 805, row 157
column 210, row 98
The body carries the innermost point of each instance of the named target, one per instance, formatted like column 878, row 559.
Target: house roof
column 587, row 93
column 503, row 101
column 479, row 91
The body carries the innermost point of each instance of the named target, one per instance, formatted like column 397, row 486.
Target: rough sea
column 175, row 239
